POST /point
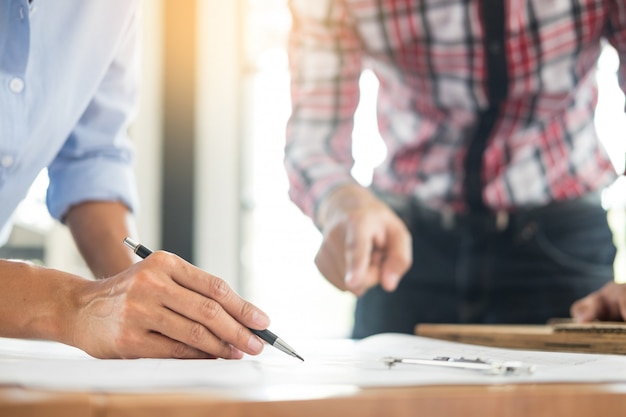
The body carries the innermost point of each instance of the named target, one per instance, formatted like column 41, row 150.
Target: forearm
column 325, row 63
column 99, row 229
column 160, row 307
column 38, row 303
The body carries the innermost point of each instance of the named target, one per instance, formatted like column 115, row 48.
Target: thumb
column 398, row 259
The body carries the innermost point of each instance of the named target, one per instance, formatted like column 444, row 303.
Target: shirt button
column 16, row 85
column 7, row 161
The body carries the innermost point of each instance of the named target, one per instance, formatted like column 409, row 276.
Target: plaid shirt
column 442, row 68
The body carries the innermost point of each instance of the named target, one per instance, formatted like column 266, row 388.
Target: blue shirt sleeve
column 95, row 163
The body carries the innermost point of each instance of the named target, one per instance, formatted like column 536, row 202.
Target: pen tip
column 299, row 357
column 130, row 243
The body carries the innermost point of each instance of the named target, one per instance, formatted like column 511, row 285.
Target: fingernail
column 392, row 281
column 254, row 344
column 349, row 278
column 260, row 319
column 580, row 316
column 235, row 353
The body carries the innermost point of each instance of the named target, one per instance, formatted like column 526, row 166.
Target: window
column 611, row 124
column 279, row 242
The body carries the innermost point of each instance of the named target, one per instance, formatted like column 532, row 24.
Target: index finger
column 207, row 327
column 358, row 249
column 215, row 288
column 608, row 303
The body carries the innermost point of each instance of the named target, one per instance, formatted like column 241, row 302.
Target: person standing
column 68, row 89
column 487, row 206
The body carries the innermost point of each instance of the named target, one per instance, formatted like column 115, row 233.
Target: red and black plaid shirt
column 444, row 67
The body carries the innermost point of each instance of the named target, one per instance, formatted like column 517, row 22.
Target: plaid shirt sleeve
column 325, row 64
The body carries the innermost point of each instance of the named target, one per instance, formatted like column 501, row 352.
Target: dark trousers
column 526, row 268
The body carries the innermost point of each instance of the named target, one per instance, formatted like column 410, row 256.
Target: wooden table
column 530, row 400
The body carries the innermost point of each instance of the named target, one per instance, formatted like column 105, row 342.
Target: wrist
column 58, row 315
column 37, row 302
column 343, row 199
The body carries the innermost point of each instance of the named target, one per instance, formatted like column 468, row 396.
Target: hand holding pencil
column 269, row 337
column 164, row 307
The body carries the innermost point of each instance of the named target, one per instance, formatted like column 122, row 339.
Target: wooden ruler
column 597, row 337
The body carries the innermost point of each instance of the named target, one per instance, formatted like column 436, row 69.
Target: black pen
column 143, row 252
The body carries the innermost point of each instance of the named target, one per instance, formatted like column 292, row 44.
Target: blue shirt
column 68, row 89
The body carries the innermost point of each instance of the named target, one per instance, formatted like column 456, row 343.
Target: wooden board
column 608, row 337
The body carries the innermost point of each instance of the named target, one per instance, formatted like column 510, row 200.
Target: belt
column 499, row 220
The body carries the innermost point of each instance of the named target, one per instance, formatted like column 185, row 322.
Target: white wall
column 146, row 131
column 218, row 128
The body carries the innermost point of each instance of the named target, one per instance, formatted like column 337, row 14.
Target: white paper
column 40, row 364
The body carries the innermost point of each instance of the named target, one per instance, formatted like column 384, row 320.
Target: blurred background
column 209, row 147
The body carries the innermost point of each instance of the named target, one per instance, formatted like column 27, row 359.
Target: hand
column 364, row 242
column 608, row 304
column 165, row 307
